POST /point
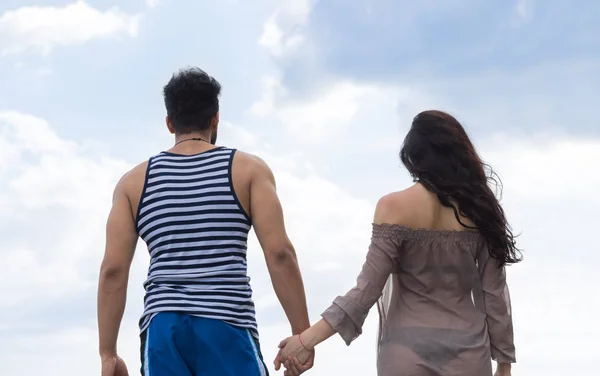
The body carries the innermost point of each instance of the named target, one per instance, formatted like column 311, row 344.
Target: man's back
column 194, row 205
column 196, row 232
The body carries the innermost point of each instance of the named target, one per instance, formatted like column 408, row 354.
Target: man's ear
column 216, row 120
column 169, row 125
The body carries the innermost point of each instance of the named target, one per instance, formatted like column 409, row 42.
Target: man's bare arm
column 121, row 239
column 267, row 218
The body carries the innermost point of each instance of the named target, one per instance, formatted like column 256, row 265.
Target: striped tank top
column 196, row 232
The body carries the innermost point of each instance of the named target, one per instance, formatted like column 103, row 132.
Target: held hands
column 295, row 357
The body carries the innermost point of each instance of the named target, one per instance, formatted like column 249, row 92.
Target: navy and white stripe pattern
column 196, row 232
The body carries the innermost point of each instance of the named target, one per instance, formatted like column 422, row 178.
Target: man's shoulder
column 249, row 157
column 136, row 173
column 133, row 179
column 251, row 161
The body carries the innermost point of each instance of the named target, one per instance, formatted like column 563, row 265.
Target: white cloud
column 523, row 8
column 57, row 196
column 276, row 41
column 272, row 34
column 71, row 351
column 239, row 136
column 533, row 165
column 333, row 109
column 282, row 30
column 43, row 28
column 49, row 170
column 32, row 133
column 152, row 3
column 272, row 89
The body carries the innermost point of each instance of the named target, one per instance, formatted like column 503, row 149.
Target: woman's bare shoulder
column 402, row 207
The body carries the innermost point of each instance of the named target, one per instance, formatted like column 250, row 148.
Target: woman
column 436, row 266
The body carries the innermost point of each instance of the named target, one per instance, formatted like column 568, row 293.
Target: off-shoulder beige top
column 443, row 302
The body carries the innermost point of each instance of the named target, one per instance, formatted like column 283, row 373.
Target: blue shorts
column 176, row 344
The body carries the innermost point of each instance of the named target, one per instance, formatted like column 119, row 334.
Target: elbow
column 113, row 274
column 282, row 257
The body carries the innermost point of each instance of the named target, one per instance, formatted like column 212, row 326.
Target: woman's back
column 443, row 295
column 433, row 311
column 418, row 208
column 436, row 280
column 437, row 265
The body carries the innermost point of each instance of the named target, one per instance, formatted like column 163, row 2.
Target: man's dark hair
column 192, row 100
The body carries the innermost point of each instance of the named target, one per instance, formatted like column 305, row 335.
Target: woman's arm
column 503, row 369
column 498, row 310
column 347, row 313
column 298, row 350
column 316, row 334
column 302, row 346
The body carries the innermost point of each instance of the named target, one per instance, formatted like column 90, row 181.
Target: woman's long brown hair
column 438, row 154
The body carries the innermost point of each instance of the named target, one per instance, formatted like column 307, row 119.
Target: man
column 194, row 205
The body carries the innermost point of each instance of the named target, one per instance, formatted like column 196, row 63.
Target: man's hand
column 294, row 368
column 114, row 366
column 294, row 356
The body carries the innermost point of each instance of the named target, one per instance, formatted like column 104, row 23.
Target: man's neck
column 201, row 135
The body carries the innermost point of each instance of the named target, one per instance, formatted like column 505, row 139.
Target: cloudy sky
column 324, row 91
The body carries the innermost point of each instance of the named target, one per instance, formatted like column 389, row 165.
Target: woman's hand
column 294, row 347
column 503, row 369
column 295, row 356
column 297, row 352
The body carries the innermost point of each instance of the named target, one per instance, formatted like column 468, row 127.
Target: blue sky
column 324, row 91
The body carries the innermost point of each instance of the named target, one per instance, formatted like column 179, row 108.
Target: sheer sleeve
column 497, row 308
column 347, row 313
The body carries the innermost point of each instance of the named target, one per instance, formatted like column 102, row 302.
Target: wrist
column 107, row 354
column 299, row 328
column 307, row 339
column 302, row 342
